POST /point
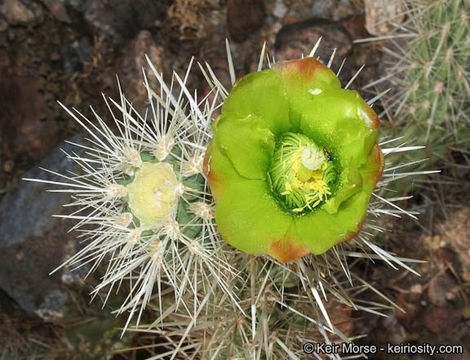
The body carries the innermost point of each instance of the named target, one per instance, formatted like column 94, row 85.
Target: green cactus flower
column 293, row 161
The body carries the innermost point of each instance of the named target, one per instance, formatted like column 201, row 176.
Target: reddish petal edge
column 238, row 81
column 207, row 157
column 286, row 250
column 373, row 116
column 352, row 234
column 374, row 176
column 215, row 182
column 379, row 160
column 307, row 68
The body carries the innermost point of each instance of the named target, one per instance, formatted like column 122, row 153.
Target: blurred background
column 71, row 50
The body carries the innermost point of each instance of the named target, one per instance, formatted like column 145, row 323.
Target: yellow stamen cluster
column 301, row 174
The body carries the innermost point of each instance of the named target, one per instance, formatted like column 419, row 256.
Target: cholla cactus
column 429, row 71
column 146, row 195
column 279, row 303
column 277, row 318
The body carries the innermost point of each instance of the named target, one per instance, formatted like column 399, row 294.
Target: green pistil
column 311, row 160
column 301, row 174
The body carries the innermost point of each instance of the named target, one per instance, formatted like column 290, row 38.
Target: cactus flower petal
column 247, row 143
column 253, row 94
column 293, row 161
column 249, row 218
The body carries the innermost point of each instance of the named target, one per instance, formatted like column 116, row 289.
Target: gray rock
column 32, row 243
column 52, row 306
column 123, row 19
column 77, row 5
column 21, row 12
column 319, row 8
column 57, row 8
column 335, row 9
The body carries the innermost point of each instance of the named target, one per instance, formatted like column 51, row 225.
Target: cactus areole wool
column 293, row 161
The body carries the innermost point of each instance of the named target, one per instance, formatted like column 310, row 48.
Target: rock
column 28, row 126
column 5, row 62
column 3, row 26
column 411, row 306
column 244, row 17
column 217, row 59
column 184, row 18
column 442, row 289
column 77, row 5
column 280, row 9
column 381, row 14
column 130, row 68
column 335, row 9
column 297, row 39
column 397, row 332
column 319, row 8
column 464, row 356
column 76, row 55
column 123, row 19
column 439, row 320
column 21, row 12
column 342, row 317
column 33, row 243
column 455, row 233
column 8, row 166
column 355, row 26
column 57, row 8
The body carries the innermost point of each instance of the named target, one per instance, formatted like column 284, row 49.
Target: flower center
column 301, row 173
column 153, row 193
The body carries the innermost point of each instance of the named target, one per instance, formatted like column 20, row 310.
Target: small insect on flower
column 143, row 203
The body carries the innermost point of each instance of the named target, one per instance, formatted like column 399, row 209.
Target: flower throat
column 302, row 173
